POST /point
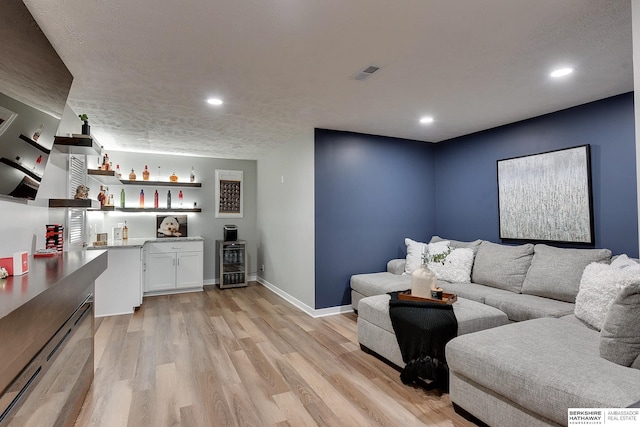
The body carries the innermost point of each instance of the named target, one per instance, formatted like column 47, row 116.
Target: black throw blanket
column 423, row 329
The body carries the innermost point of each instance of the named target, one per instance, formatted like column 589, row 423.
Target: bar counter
column 35, row 306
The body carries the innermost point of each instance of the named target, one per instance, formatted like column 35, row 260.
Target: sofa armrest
column 396, row 266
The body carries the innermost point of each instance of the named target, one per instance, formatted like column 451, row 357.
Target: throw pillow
column 619, row 338
column 414, row 255
column 456, row 267
column 623, row 261
column 556, row 272
column 502, row 266
column 458, row 244
column 599, row 286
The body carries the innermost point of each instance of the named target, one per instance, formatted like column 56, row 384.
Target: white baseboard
column 330, row 311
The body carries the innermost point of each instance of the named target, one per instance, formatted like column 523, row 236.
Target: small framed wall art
column 229, row 194
column 547, row 197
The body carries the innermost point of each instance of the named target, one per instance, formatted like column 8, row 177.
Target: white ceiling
column 143, row 69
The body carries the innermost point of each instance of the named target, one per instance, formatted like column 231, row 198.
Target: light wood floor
column 245, row 357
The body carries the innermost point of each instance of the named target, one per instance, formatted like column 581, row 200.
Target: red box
column 7, row 264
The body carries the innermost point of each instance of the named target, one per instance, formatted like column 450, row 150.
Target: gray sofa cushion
column 556, row 272
column 502, row 266
column 380, row 283
column 471, row 316
column 471, row 291
column 396, row 266
column 619, row 338
column 458, row 244
column 545, row 366
column 521, row 307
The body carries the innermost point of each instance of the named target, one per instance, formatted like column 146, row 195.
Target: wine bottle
column 142, row 198
column 122, row 198
column 155, row 200
column 169, row 199
column 37, row 133
column 180, row 198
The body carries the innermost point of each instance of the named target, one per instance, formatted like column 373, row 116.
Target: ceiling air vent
column 366, row 73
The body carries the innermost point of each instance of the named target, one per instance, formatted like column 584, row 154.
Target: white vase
column 423, row 281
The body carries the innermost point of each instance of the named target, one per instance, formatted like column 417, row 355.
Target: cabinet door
column 189, row 273
column 161, row 271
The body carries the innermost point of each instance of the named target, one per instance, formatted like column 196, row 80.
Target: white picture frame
column 229, row 194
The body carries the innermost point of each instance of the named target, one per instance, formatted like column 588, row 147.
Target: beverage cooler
column 232, row 263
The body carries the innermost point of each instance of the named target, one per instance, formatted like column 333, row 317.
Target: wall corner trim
column 302, row 306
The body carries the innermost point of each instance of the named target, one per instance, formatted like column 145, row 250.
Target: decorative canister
column 423, row 281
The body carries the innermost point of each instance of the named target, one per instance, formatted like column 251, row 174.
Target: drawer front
column 180, row 246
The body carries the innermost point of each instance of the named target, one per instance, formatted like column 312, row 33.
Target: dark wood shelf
column 159, row 210
column 35, row 144
column 77, row 145
column 20, row 168
column 74, row 203
column 161, row 183
column 105, row 177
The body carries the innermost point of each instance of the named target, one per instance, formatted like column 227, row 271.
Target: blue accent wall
column 370, row 193
column 466, row 179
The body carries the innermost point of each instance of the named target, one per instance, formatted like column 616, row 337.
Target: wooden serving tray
column 447, row 298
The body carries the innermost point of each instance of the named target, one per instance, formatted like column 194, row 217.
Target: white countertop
column 139, row 242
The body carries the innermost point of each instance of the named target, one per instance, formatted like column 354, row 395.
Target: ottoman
column 375, row 332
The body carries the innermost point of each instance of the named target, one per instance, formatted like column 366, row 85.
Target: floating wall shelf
column 74, row 203
column 162, row 183
column 34, row 144
column 77, row 145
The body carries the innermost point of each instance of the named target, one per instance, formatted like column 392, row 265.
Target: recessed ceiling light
column 561, row 72
column 426, row 120
column 214, row 101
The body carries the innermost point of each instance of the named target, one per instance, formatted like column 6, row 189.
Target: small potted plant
column 85, row 124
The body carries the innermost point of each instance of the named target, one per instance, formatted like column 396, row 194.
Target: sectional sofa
column 572, row 339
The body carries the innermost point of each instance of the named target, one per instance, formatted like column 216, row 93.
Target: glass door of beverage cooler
column 233, row 267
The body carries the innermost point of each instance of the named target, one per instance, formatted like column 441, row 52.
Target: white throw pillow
column 456, row 267
column 624, row 262
column 599, row 285
column 414, row 255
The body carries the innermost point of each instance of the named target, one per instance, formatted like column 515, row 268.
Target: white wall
column 204, row 223
column 23, row 224
column 286, row 221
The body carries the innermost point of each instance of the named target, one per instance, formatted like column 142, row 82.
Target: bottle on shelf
column 142, row 198
column 105, row 162
column 132, row 175
column 173, row 177
column 180, row 198
column 145, row 173
column 192, row 177
column 110, row 202
column 169, row 199
column 122, row 197
column 37, row 163
column 118, row 174
column 155, row 200
column 125, row 231
column 102, row 196
column 37, row 133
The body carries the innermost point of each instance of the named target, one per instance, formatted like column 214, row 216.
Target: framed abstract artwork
column 229, row 194
column 547, row 197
